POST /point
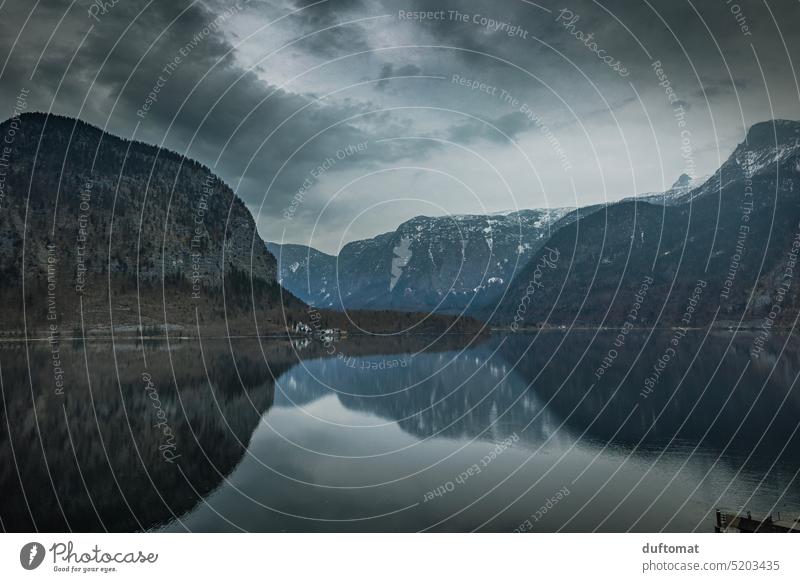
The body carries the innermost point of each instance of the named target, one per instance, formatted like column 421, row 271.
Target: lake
column 545, row 432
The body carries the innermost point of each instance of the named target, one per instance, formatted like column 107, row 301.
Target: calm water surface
column 389, row 438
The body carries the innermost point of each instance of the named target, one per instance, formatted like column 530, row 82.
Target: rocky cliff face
column 91, row 204
column 447, row 264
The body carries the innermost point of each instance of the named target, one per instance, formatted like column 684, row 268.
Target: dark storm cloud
column 324, row 13
column 248, row 112
column 720, row 87
column 501, row 129
column 636, row 32
column 212, row 101
column 333, row 40
column 388, row 71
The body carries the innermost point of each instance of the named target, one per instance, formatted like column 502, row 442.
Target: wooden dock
column 745, row 523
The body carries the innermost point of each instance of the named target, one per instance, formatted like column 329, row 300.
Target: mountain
column 101, row 229
column 727, row 251
column 767, row 147
column 293, row 269
column 137, row 208
column 446, row 264
column 101, row 234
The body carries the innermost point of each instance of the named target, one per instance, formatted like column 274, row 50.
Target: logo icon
column 31, row 555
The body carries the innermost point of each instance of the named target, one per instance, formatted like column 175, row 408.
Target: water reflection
column 92, row 459
column 389, row 438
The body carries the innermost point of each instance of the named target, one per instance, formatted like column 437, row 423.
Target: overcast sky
column 338, row 120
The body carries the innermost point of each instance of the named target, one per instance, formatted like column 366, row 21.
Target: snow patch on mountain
column 402, row 255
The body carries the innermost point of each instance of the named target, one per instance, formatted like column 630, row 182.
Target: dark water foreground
column 515, row 432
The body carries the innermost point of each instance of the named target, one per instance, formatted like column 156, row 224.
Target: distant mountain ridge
column 766, row 147
column 675, row 194
column 726, row 250
column 447, row 264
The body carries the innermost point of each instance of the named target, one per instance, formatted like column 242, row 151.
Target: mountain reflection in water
column 474, row 436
